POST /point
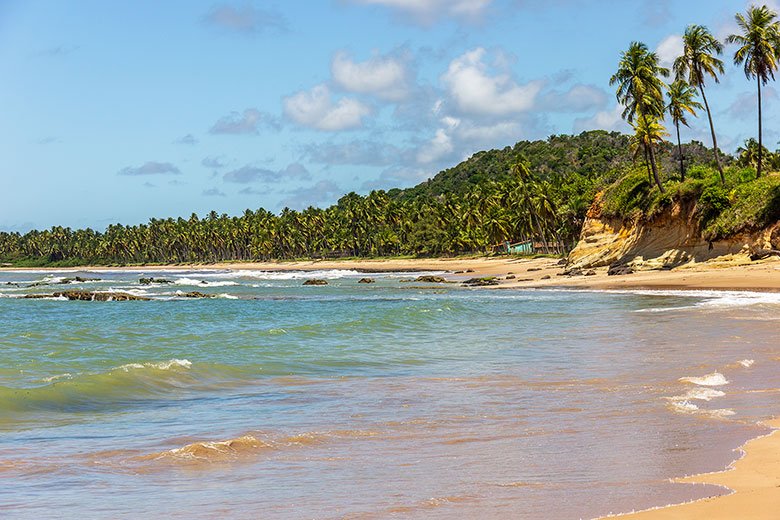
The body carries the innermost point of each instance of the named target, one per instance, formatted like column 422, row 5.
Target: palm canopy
column 759, row 43
column 682, row 101
column 699, row 58
column 639, row 87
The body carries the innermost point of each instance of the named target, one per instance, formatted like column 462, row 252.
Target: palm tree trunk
column 651, row 152
column 760, row 147
column 679, row 151
column 712, row 131
column 647, row 165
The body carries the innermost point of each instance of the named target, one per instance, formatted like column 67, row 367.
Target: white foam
column 58, row 376
column 227, row 296
column 684, row 407
column 164, row 365
column 203, row 283
column 747, row 363
column 702, row 394
column 713, row 379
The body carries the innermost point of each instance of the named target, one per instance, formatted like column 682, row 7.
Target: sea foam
column 713, row 379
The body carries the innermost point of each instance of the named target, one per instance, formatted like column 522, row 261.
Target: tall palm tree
column 681, row 102
column 640, row 90
column 699, row 59
column 759, row 50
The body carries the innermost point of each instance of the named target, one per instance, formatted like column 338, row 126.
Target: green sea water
column 387, row 400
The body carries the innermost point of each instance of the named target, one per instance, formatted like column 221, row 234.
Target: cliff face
column 670, row 238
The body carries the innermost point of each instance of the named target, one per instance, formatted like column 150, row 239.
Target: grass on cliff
column 742, row 204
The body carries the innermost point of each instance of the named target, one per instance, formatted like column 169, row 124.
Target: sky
column 126, row 110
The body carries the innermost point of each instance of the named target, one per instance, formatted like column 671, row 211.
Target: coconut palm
column 640, row 90
column 699, row 60
column 681, row 103
column 759, row 51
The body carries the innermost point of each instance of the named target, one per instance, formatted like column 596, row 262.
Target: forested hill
column 534, row 190
column 556, row 159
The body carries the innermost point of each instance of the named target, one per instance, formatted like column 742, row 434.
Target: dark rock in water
column 150, row 281
column 510, row 277
column 197, row 294
column 91, row 296
column 546, row 277
column 315, row 281
column 458, row 272
column 431, row 279
column 761, row 254
column 366, row 280
column 14, row 284
column 531, row 269
column 619, row 270
column 481, row 282
column 78, row 279
column 406, row 280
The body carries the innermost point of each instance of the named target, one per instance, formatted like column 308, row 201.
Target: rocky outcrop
column 315, row 281
column 431, row 279
column 366, row 280
column 481, row 282
column 670, row 238
column 91, row 296
column 150, row 281
column 197, row 294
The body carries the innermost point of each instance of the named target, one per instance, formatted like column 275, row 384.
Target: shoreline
column 754, row 479
column 735, row 273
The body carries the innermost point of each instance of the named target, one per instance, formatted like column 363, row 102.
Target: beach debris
column 619, row 270
column 481, row 282
column 763, row 254
column 366, row 280
column 150, row 281
column 315, row 281
column 91, row 296
column 198, row 294
column 431, row 279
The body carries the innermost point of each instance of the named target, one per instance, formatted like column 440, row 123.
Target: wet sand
column 755, row 480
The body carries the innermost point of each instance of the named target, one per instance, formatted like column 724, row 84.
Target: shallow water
column 386, row 400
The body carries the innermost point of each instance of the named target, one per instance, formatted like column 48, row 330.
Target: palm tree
column 759, row 50
column 681, row 101
column 648, row 133
column 699, row 59
column 640, row 90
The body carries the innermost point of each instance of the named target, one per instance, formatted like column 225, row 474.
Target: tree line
column 647, row 99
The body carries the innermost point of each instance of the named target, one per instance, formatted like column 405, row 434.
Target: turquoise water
column 387, row 400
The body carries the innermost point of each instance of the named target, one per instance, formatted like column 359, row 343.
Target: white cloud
column 427, row 11
column 475, row 91
column 604, row 120
column 438, row 147
column 669, row 49
column 385, row 77
column 579, row 98
column 315, row 109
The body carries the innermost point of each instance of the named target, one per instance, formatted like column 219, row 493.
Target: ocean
column 394, row 399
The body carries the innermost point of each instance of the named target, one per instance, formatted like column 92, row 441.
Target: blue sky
column 122, row 111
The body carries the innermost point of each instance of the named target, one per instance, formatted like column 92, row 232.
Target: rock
column 572, row 272
column 78, row 279
column 589, row 272
column 761, row 254
column 458, row 272
column 619, row 270
column 510, row 272
column 481, row 282
column 510, row 277
column 197, row 294
column 431, row 279
column 469, row 270
column 405, row 280
column 546, row 277
column 149, row 281
column 91, row 296
column 315, row 281
column 562, row 261
column 366, row 280
column 531, row 269
column 12, row 283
